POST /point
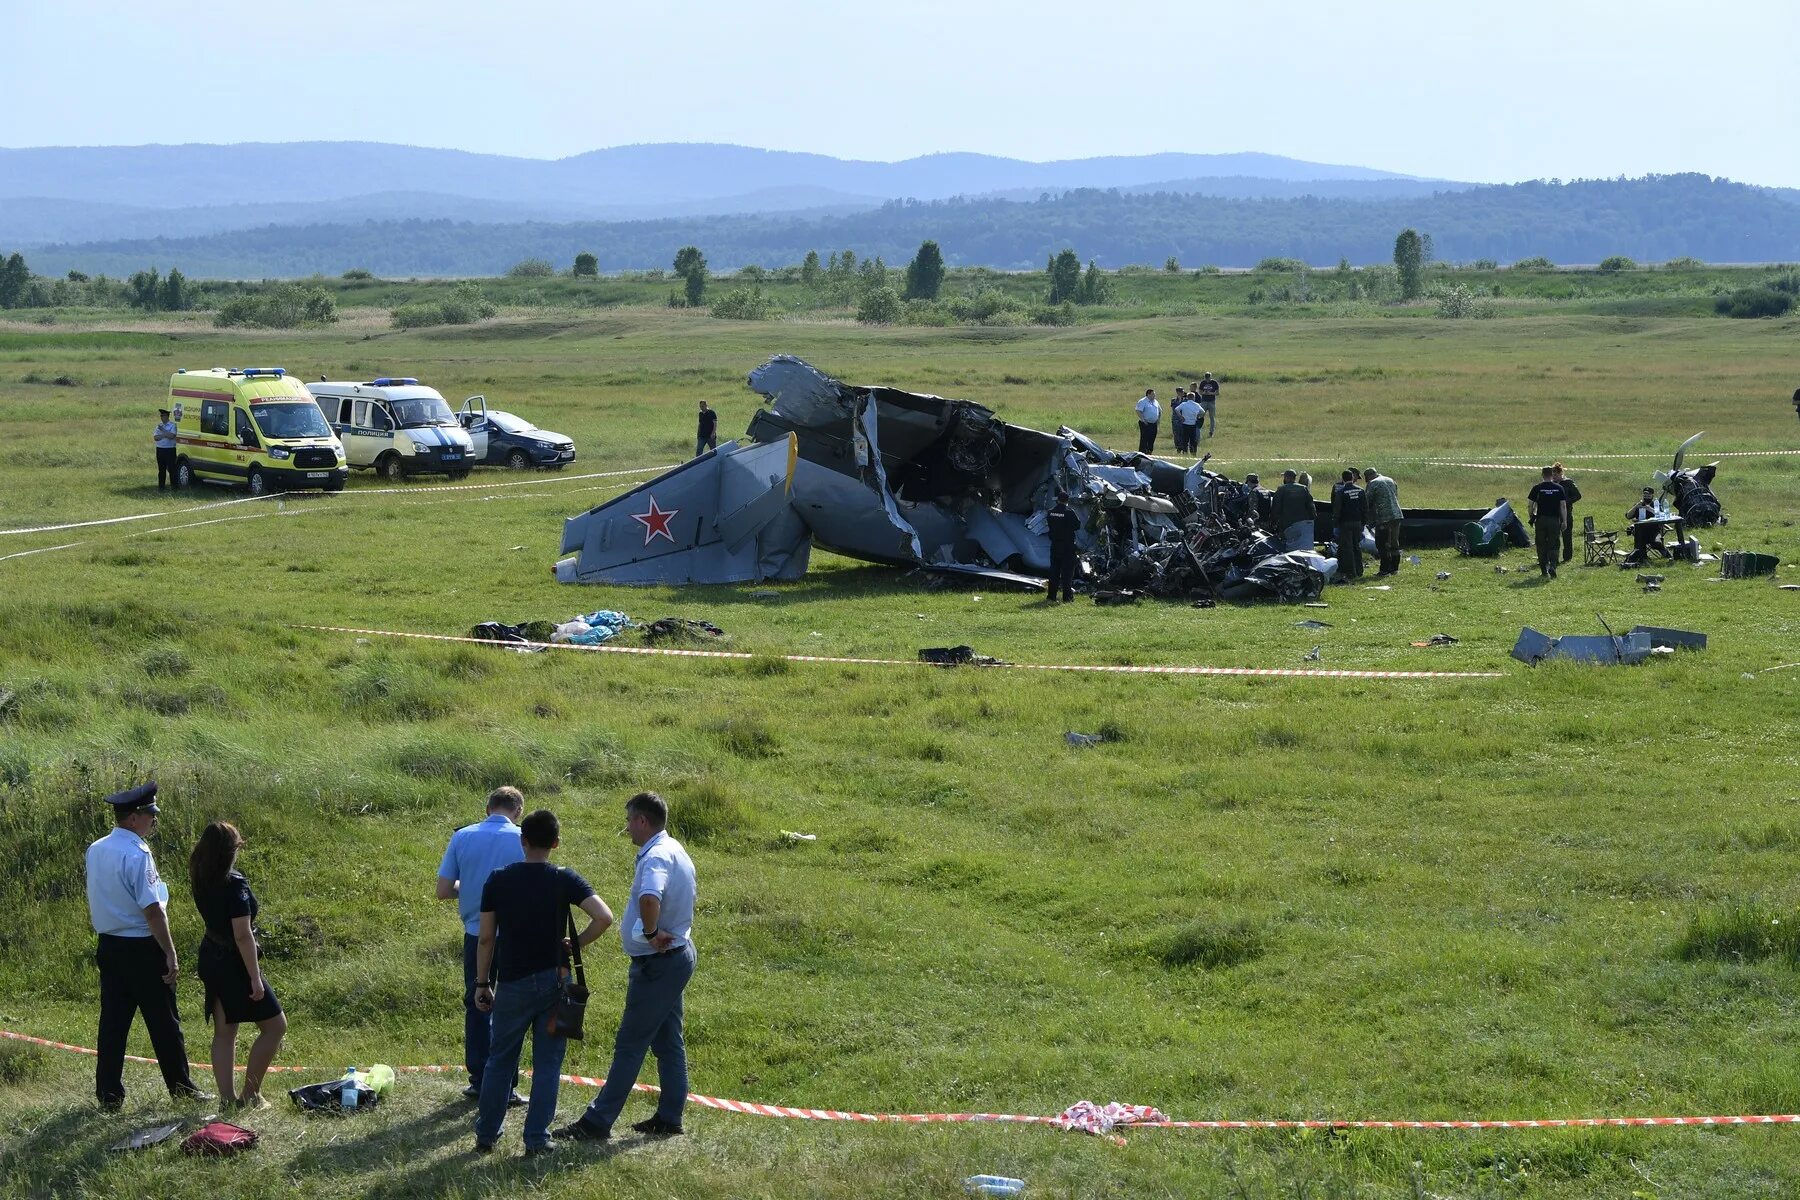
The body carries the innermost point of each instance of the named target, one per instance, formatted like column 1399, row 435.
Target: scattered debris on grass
column 1437, row 639
column 957, row 656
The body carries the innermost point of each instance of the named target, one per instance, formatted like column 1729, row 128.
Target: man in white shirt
column 164, row 439
column 1149, row 415
column 128, row 907
column 1187, row 422
column 655, row 928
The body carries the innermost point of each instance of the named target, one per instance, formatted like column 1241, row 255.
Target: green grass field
column 1547, row 894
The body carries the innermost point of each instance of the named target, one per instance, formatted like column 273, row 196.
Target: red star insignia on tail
column 656, row 522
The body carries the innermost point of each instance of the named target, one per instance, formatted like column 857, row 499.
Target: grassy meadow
column 1563, row 892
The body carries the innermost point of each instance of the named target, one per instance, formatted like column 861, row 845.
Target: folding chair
column 1598, row 549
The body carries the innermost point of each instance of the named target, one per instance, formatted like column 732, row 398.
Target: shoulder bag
column 566, row 1015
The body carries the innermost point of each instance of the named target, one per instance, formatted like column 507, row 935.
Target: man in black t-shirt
column 525, row 907
column 707, row 437
column 1208, row 391
column 1549, row 515
column 1571, row 494
column 1063, row 526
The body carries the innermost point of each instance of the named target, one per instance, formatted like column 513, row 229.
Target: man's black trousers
column 1062, row 573
column 1147, row 437
column 131, row 980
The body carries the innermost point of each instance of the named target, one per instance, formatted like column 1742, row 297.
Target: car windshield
column 510, row 423
column 422, row 410
column 291, row 420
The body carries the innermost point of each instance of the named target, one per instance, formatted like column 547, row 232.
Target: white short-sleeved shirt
column 1149, row 410
column 122, row 882
column 1187, row 412
column 665, row 871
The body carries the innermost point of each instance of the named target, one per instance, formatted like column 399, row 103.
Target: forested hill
column 1650, row 219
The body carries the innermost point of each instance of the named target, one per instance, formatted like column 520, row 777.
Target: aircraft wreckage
column 891, row 476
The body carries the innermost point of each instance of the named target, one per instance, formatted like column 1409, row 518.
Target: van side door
column 474, row 419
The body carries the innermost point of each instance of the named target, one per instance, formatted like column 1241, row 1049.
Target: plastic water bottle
column 993, row 1185
column 350, row 1093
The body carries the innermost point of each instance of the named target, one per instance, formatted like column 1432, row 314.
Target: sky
column 1496, row 92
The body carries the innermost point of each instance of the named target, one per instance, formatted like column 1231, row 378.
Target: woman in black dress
column 235, row 989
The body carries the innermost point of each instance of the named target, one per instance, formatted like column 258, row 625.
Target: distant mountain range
column 111, row 193
column 262, row 210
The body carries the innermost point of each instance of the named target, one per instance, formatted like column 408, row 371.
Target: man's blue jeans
column 519, row 1007
column 652, row 1022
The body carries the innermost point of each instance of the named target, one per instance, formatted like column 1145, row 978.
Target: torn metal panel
column 1672, row 639
column 1534, row 647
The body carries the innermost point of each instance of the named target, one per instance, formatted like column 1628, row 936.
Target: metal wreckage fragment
column 898, row 477
column 1692, row 491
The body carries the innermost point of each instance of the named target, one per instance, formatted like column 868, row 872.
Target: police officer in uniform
column 1063, row 526
column 1549, row 517
column 128, row 905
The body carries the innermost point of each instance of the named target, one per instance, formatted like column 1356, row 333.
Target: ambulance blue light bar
column 384, row 381
column 253, row 372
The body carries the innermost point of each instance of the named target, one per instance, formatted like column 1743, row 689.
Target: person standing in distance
column 1385, row 514
column 1349, row 512
column 656, row 932
column 231, row 966
column 1549, row 511
column 1188, row 416
column 1209, row 400
column 1571, row 494
column 476, row 852
column 1063, row 526
column 164, row 439
column 1149, row 415
column 524, row 913
column 707, row 436
column 128, row 906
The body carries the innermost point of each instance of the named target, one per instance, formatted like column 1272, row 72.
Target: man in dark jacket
column 1293, row 514
column 1571, row 494
column 1349, row 513
column 1063, row 526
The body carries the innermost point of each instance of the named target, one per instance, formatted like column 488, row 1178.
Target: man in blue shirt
column 128, row 906
column 475, row 852
column 655, row 928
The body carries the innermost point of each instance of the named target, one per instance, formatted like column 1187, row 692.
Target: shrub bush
column 1280, row 264
column 879, row 306
column 744, row 304
column 1754, row 302
column 286, row 306
column 358, row 275
column 417, row 315
column 1535, row 263
column 531, row 268
column 1053, row 314
column 1617, row 262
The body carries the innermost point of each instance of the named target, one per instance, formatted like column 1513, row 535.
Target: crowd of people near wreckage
column 1362, row 498
column 521, row 954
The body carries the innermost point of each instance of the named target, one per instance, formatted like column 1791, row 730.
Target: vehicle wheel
column 258, row 485
column 518, row 460
column 184, row 474
column 391, row 468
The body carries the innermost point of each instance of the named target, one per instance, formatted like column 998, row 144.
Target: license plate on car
column 317, row 474
column 451, row 457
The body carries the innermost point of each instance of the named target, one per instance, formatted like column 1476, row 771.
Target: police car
column 396, row 427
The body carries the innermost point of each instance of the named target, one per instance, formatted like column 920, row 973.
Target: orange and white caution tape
column 750, row 1108
column 1283, row 672
column 414, row 490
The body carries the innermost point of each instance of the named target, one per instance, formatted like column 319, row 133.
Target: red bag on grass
column 219, row 1138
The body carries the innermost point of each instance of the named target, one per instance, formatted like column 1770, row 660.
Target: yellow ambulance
column 254, row 426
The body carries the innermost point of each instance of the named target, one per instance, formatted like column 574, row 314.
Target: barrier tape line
column 1101, row 668
column 383, row 491
column 751, row 1108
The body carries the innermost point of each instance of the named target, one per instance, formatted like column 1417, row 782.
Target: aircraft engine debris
column 915, row 480
column 1692, row 490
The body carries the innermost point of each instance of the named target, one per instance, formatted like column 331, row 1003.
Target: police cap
column 141, row 798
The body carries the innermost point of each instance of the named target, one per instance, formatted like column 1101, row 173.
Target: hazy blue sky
column 1495, row 92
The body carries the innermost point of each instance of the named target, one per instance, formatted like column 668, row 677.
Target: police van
column 397, row 427
column 255, row 426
